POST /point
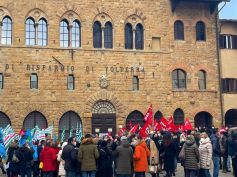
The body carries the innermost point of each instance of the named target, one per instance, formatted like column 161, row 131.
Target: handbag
column 182, row 154
column 152, row 166
column 41, row 165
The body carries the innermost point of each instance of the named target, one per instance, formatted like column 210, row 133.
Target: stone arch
column 135, row 13
column 9, row 112
column 105, row 96
column 4, row 120
column 36, row 14
column 231, row 118
column 134, row 20
column 70, row 16
column 35, row 118
column 70, row 9
column 203, row 119
column 102, row 106
column 5, row 12
column 134, row 117
column 103, row 18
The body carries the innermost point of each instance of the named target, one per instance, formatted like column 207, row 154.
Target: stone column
column 134, row 40
column 103, row 38
column 1, row 32
column 86, row 123
column 70, row 35
column 36, row 33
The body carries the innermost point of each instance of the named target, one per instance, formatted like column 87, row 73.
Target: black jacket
column 25, row 156
column 69, row 156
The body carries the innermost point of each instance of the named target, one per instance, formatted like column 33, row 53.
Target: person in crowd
column 35, row 168
column 69, row 158
column 56, row 147
column 61, row 171
column 140, row 157
column 169, row 154
column 1, row 166
column 12, row 160
column 77, row 163
column 205, row 151
column 87, row 156
column 48, row 157
column 224, row 150
column 104, row 161
column 123, row 155
column 154, row 156
column 191, row 157
column 234, row 152
column 25, row 156
column 216, row 152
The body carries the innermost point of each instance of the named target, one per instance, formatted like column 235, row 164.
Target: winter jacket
column 69, row 157
column 191, row 155
column 154, row 153
column 87, row 155
column 124, row 156
column 25, row 156
column 215, row 145
column 49, row 159
column 224, row 146
column 205, row 151
column 170, row 150
column 13, row 166
column 140, row 157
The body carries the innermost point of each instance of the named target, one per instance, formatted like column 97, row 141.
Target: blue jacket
column 216, row 149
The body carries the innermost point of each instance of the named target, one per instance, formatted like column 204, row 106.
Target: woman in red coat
column 48, row 157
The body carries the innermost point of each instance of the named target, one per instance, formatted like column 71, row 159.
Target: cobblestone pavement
column 179, row 173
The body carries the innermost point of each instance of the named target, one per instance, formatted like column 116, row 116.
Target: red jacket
column 48, row 157
column 140, row 157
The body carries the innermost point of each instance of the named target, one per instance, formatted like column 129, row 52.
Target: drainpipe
column 219, row 63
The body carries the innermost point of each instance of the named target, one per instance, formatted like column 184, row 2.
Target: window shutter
column 234, row 41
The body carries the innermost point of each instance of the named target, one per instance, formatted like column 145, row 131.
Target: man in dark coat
column 25, row 156
column 13, row 169
column 124, row 157
column 216, row 152
column 69, row 157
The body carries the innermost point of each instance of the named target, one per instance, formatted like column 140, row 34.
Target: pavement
column 178, row 173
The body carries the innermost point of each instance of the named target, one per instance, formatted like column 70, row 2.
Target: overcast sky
column 229, row 11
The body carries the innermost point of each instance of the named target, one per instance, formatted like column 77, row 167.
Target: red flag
column 130, row 124
column 157, row 126
column 121, row 131
column 134, row 129
column 144, row 131
column 171, row 126
column 163, row 123
column 22, row 132
column 148, row 116
column 187, row 125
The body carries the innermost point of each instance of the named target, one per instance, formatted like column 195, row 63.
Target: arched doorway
column 35, row 118
column 4, row 120
column 158, row 115
column 135, row 117
column 231, row 118
column 67, row 122
column 103, row 117
column 203, row 119
column 178, row 117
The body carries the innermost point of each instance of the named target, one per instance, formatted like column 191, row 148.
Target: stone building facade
column 104, row 78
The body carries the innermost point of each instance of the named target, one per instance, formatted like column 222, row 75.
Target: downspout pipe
column 219, row 62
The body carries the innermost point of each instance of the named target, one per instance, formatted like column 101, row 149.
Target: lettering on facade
column 51, row 68
column 120, row 69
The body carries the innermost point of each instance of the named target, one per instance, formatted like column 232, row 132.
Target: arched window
column 6, row 31
column 64, row 33
column 108, row 35
column 67, row 122
column 76, row 34
column 4, row 120
column 33, row 119
column 135, row 83
column 178, row 30
column 158, row 115
column 139, row 37
column 135, row 117
column 30, row 32
column 128, row 36
column 200, row 31
column 179, row 79
column 97, row 35
column 178, row 116
column 202, row 80
column 42, row 32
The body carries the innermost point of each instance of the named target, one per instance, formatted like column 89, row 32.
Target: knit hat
column 123, row 138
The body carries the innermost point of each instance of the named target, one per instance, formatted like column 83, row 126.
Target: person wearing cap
column 87, row 156
column 192, row 157
column 123, row 155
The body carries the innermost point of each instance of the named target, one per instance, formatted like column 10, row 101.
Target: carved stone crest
column 104, row 83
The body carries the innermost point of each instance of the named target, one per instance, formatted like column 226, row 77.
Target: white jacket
column 205, row 151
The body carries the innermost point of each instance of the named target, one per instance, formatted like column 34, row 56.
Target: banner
column 149, row 115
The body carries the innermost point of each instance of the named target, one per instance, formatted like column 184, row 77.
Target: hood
column 46, row 148
column 125, row 143
column 142, row 144
column 63, row 145
column 205, row 140
column 87, row 141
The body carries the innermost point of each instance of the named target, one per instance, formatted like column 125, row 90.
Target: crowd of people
column 128, row 155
